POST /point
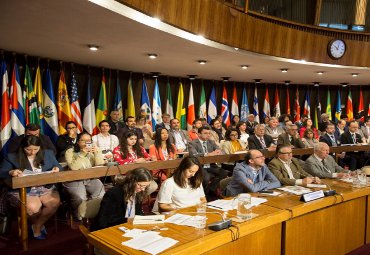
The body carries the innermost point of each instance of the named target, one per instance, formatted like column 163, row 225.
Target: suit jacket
column 183, row 134
column 316, row 168
column 326, row 139
column 242, row 172
column 283, row 139
column 346, row 138
column 113, row 127
column 365, row 132
column 255, row 143
column 113, row 209
column 64, row 142
column 196, row 147
column 278, row 169
column 160, row 125
column 268, row 131
column 122, row 131
column 250, row 127
column 46, row 143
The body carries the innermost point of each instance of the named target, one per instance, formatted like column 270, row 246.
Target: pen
column 215, row 206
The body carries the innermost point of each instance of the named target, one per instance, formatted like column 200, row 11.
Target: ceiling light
column 93, row 47
column 152, row 56
column 155, row 74
column 236, row 48
column 244, row 66
column 202, row 62
column 225, row 79
column 284, row 70
column 192, row 76
column 287, row 83
column 257, row 80
column 316, row 84
column 320, row 72
column 344, row 84
column 354, row 74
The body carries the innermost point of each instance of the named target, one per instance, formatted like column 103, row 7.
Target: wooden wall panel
column 254, row 32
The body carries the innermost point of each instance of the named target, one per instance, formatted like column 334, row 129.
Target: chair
column 223, row 184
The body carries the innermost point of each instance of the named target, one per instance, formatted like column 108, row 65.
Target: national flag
column 63, row 104
column 317, row 110
column 75, row 104
column 307, row 107
column 202, row 103
column 287, row 102
column 191, row 108
column 17, row 117
column 361, row 107
column 180, row 109
column 255, row 105
column 89, row 111
column 118, row 105
column 6, row 130
column 368, row 110
column 212, row 109
column 244, row 107
column 50, row 120
column 266, row 105
column 338, row 108
column 349, row 106
column 102, row 108
column 32, row 113
column 277, row 111
column 297, row 107
column 169, row 104
column 225, row 108
column 328, row 106
column 39, row 97
column 145, row 104
column 234, row 104
column 157, row 106
column 130, row 100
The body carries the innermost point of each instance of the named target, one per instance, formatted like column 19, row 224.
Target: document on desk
column 227, row 205
column 148, row 219
column 312, row 185
column 30, row 172
column 296, row 190
column 150, row 242
column 185, row 220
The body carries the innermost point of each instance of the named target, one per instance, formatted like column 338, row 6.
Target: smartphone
column 89, row 145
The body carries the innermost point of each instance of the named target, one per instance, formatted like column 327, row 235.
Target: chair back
column 89, row 209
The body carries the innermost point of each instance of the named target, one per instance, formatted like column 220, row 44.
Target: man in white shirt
column 322, row 165
column 105, row 141
column 178, row 136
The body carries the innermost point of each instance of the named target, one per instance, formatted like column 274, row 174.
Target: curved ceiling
column 62, row 30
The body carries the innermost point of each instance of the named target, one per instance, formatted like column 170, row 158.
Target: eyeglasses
column 85, row 141
column 142, row 186
column 69, row 128
column 233, row 135
column 259, row 157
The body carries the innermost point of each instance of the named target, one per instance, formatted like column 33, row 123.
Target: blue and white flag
column 50, row 110
column 212, row 109
column 17, row 116
column 244, row 108
column 157, row 109
column 255, row 105
column 118, row 100
column 145, row 104
column 89, row 121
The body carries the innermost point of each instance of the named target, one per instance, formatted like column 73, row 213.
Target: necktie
column 291, row 140
column 325, row 165
column 255, row 175
column 263, row 142
column 354, row 138
column 334, row 143
column 205, row 147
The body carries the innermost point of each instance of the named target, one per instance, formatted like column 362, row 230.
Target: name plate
column 312, row 196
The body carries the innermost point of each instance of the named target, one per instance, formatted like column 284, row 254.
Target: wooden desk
column 259, row 231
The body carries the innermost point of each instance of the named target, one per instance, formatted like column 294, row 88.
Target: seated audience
column 329, row 137
column 324, row 120
column 366, row 129
column 230, row 146
column 31, row 129
column 252, row 175
column 177, row 136
column 124, row 200
column 288, row 169
column 291, row 137
column 82, row 156
column 322, row 165
column 307, row 124
column 340, row 128
column 105, row 141
column 115, row 123
column 67, row 140
column 300, row 123
column 193, row 133
column 184, row 188
column 242, row 128
column 234, row 121
column 308, row 138
column 251, row 123
column 147, row 131
column 131, row 126
column 261, row 141
column 165, row 122
column 273, row 129
column 42, row 201
column 217, row 132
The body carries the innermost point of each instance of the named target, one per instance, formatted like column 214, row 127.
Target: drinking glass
column 244, row 210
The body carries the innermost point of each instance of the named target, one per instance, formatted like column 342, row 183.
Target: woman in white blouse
column 105, row 141
column 184, row 188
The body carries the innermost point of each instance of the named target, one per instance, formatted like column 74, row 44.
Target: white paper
column 274, row 194
column 312, row 185
column 227, row 205
column 135, row 232
column 148, row 219
column 30, row 172
column 185, row 220
column 296, row 190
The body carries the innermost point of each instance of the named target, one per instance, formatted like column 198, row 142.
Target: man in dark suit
column 291, row 137
column 114, row 122
column 354, row 159
column 32, row 129
column 329, row 137
column 165, row 122
column 261, row 141
column 130, row 126
column 203, row 146
column 251, row 123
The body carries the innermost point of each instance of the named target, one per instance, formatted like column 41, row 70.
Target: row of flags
column 35, row 102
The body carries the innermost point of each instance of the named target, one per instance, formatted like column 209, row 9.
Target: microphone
column 218, row 225
column 330, row 192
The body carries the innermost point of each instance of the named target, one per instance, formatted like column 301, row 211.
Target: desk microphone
column 330, row 192
column 218, row 225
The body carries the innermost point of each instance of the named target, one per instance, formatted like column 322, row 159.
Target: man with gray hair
column 291, row 137
column 322, row 165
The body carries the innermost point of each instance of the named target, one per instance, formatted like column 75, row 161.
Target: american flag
column 75, row 104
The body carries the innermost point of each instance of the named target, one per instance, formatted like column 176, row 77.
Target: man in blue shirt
column 252, row 175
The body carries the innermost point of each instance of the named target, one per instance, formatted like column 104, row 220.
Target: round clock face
column 336, row 48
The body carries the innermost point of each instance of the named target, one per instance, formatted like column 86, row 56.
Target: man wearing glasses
column 67, row 140
column 291, row 137
column 288, row 170
column 252, row 175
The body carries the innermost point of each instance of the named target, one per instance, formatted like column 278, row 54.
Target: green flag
column 169, row 105
column 328, row 105
column 202, row 104
column 32, row 113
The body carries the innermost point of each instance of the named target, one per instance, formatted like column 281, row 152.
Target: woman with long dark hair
column 42, row 201
column 184, row 188
column 130, row 151
column 124, row 200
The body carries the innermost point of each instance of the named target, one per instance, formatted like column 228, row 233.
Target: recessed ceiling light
column 344, row 84
column 320, row 72
column 257, row 80
column 316, row 84
column 354, row 74
column 93, row 47
column 284, row 70
column 202, row 62
column 155, row 74
column 287, row 83
column 244, row 66
column 225, row 79
column 152, row 55
column 192, row 76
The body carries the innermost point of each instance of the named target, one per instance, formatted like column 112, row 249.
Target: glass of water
column 244, row 209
